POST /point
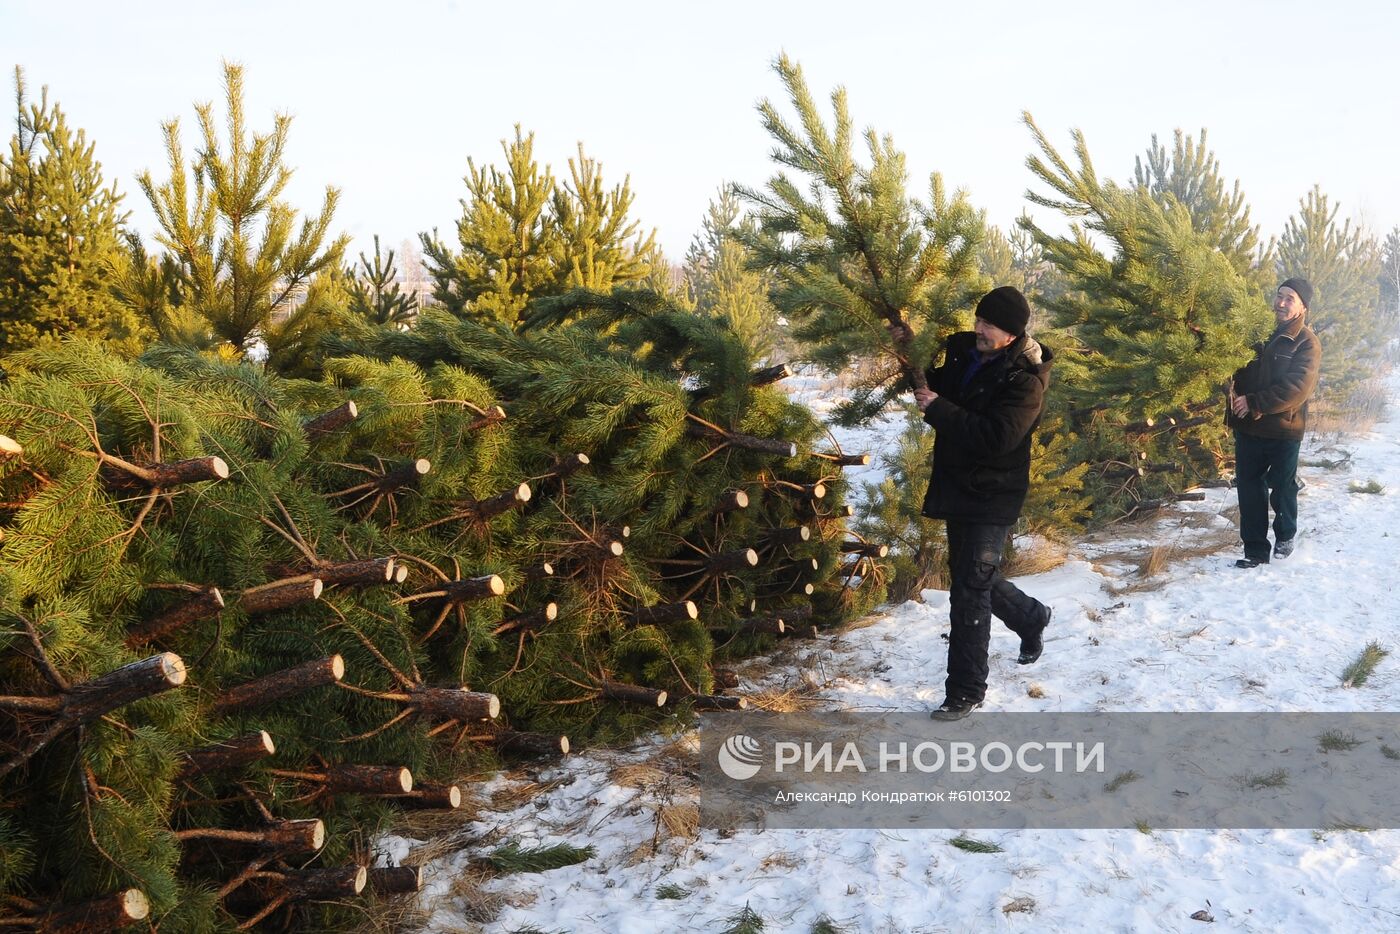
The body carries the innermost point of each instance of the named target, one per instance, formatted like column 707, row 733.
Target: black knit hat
column 1007, row 308
column 1302, row 286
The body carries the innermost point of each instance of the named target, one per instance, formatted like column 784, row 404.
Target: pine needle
column 1337, row 741
column 1359, row 670
column 513, row 858
column 969, row 845
column 1121, row 779
column 746, row 921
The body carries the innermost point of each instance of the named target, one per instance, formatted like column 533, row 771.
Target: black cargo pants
column 978, row 591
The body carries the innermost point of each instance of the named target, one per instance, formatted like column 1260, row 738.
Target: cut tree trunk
column 279, row 595
column 408, row 474
column 665, row 613
column 717, row 702
column 491, row 416
column 432, row 797
column 566, row 466
column 90, row 700
column 204, row 605
column 533, row 744
column 281, row 684
column 288, row 837
column 530, row 621
column 395, row 880
column 845, row 460
column 354, row 779
column 503, row 502
column 729, row 502
column 742, row 559
column 744, row 442
column 770, row 625
column 455, row 703
column 363, row 573
column 791, row 536
column 464, row 591
column 233, row 753
column 108, row 913
column 164, row 476
column 634, row 694
column 865, row 549
column 327, row 422
column 264, row 894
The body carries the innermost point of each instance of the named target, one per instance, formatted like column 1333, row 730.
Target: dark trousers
column 1266, row 474
column 978, row 592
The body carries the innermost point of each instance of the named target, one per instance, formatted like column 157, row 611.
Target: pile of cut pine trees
column 247, row 619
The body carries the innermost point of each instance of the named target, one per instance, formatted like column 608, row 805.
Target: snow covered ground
column 1200, row 636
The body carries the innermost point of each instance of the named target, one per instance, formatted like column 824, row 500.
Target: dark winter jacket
column 1277, row 383
column 983, row 424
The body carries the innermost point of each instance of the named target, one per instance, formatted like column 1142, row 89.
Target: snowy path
column 1211, row 637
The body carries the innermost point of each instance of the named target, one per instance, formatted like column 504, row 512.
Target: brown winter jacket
column 1278, row 382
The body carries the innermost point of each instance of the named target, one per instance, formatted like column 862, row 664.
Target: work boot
column 1284, row 548
column 1033, row 645
column 955, row 709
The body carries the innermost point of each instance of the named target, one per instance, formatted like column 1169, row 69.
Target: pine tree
column 522, row 235
column 60, row 228
column 1149, row 332
column 569, row 587
column 509, row 247
column 1014, row 258
column 1390, row 278
column 720, row 275
column 601, row 246
column 1343, row 262
column 854, row 254
column 1190, row 176
column 374, row 292
column 244, row 267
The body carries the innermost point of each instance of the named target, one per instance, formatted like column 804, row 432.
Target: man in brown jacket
column 1268, row 412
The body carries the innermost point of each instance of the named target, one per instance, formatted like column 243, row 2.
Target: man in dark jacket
column 984, row 401
column 1268, row 410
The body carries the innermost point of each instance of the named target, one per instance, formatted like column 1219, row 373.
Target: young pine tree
column 244, row 265
column 1161, row 320
column 1190, row 176
column 60, row 228
column 853, row 252
column 374, row 293
column 1390, row 278
column 1343, row 262
column 523, row 236
column 720, row 275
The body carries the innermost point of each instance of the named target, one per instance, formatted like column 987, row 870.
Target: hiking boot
column 955, row 710
column 1250, row 562
column 1284, row 548
column 1033, row 645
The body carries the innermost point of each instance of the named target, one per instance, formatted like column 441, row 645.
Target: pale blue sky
column 390, row 99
